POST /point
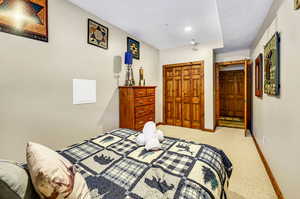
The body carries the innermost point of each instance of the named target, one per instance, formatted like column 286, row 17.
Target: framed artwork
column 297, row 4
column 133, row 46
column 27, row 18
column 272, row 66
column 97, row 34
column 259, row 76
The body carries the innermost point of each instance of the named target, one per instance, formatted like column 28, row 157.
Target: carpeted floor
column 249, row 179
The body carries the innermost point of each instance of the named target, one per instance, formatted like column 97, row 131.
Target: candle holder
column 129, row 76
column 142, row 81
column 129, row 81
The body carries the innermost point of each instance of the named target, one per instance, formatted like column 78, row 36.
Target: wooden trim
column 237, row 62
column 160, row 123
column 269, row 171
column 203, row 97
column 163, row 95
column 137, row 86
column 184, row 64
column 245, row 63
column 209, row 130
column 217, row 93
column 246, row 97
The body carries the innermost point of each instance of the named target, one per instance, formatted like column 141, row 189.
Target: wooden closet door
column 232, row 93
column 186, row 96
column 227, row 93
column 177, row 83
column 240, row 93
column 169, row 97
column 197, row 96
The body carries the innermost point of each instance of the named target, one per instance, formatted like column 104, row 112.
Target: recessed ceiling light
column 188, row 29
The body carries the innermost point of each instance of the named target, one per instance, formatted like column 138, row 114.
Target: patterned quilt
column 115, row 167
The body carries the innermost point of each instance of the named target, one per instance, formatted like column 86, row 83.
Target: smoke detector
column 194, row 45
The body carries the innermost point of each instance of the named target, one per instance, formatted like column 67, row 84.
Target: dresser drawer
column 137, row 106
column 140, row 92
column 150, row 92
column 140, row 122
column 144, row 110
column 144, row 101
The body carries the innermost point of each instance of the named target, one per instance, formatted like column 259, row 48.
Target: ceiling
column 241, row 21
column 232, row 23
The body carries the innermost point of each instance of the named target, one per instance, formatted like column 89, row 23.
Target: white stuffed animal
column 150, row 137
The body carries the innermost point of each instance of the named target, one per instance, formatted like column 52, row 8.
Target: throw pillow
column 53, row 176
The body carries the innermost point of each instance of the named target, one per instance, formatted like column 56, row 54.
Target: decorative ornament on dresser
column 142, row 81
column 133, row 46
column 129, row 72
column 259, row 76
column 297, row 4
column 27, row 18
column 272, row 66
column 97, row 34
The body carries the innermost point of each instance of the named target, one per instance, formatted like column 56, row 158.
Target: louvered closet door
column 197, row 96
column 186, row 95
column 169, row 97
column 177, row 82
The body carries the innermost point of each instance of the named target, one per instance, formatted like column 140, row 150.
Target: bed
column 115, row 167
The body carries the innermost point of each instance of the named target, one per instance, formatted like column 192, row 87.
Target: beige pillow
column 53, row 176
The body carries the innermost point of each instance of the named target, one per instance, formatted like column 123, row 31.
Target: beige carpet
column 249, row 179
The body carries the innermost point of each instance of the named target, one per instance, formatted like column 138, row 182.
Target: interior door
column 227, row 93
column 245, row 98
column 248, row 95
column 232, row 93
column 239, row 98
column 177, row 83
column 186, row 96
column 197, row 114
column 169, row 97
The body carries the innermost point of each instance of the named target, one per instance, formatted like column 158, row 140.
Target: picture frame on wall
column 272, row 66
column 32, row 21
column 259, row 76
column 97, row 34
column 133, row 46
column 297, row 4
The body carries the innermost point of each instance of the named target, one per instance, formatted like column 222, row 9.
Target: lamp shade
column 128, row 58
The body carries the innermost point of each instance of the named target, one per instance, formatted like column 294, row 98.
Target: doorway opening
column 233, row 94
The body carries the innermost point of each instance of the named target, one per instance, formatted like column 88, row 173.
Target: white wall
column 186, row 54
column 36, row 82
column 232, row 55
column 277, row 118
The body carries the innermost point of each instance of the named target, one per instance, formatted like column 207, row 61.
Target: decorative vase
column 142, row 79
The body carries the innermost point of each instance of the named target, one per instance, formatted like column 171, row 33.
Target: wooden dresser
column 137, row 106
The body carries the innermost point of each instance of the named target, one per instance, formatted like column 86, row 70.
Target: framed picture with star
column 97, row 34
column 133, row 46
column 27, row 18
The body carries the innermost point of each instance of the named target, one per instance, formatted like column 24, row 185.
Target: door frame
column 203, row 82
column 246, row 63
